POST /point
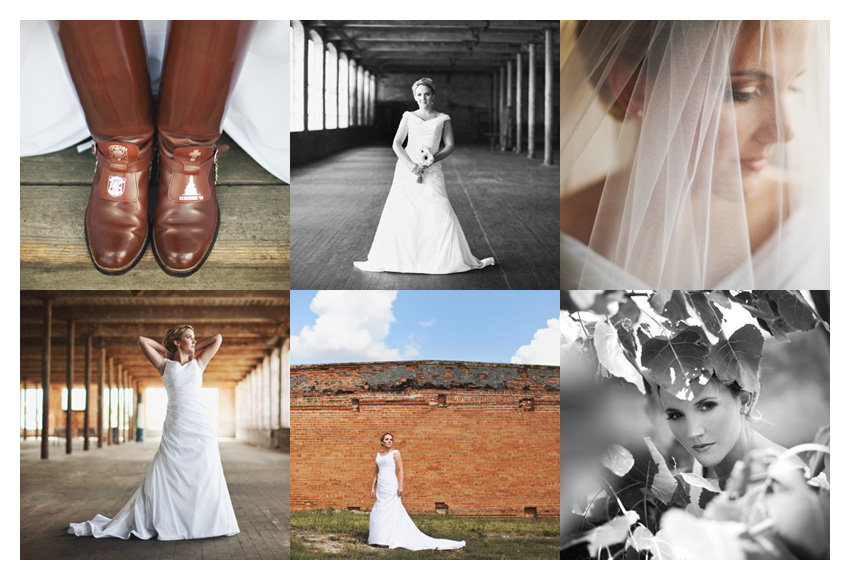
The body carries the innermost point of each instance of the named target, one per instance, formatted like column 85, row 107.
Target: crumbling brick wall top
column 436, row 375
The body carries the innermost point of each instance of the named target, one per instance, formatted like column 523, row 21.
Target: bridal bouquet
column 424, row 159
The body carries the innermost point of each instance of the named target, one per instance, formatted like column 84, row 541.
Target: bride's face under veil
column 705, row 170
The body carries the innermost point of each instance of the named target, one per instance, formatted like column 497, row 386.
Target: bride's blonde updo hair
column 427, row 82
column 175, row 334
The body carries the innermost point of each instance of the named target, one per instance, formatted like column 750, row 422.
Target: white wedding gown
column 183, row 495
column 419, row 231
column 389, row 524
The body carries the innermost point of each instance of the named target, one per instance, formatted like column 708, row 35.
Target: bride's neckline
column 181, row 364
column 387, row 453
column 437, row 116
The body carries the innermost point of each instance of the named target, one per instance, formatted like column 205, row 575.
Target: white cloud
column 411, row 349
column 427, row 323
column 544, row 348
column 351, row 326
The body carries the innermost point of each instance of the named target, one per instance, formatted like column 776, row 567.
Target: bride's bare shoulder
column 578, row 211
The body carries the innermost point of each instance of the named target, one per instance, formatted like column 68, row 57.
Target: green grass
column 342, row 535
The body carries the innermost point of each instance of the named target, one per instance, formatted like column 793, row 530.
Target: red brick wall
column 490, row 448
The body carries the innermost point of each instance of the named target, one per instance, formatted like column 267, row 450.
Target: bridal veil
column 705, row 145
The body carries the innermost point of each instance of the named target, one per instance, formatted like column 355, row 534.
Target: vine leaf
column 663, row 484
column 794, row 309
column 627, row 340
column 644, row 540
column 674, row 363
column 660, row 299
column 737, row 358
column 695, row 480
column 612, row 532
column 764, row 308
column 671, row 305
column 701, row 538
column 619, row 460
column 721, row 297
column 626, row 310
column 611, row 356
column 707, row 312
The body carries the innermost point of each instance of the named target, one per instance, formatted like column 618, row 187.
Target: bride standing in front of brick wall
column 389, row 523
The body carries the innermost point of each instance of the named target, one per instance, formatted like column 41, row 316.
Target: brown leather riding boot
column 107, row 63
column 201, row 65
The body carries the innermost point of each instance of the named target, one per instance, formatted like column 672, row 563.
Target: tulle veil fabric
column 715, row 172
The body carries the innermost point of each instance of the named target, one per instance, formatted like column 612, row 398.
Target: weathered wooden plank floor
column 507, row 205
column 251, row 252
column 75, row 488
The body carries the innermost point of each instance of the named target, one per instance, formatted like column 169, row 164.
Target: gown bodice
column 428, row 133
column 182, row 382
column 386, row 465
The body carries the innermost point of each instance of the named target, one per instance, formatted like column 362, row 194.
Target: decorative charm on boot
column 116, row 223
column 186, row 222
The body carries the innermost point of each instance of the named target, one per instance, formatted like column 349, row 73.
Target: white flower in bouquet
column 424, row 159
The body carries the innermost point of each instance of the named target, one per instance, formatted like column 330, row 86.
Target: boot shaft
column 108, row 67
column 201, row 66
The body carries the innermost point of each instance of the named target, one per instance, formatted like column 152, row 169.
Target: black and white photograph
column 695, row 425
column 154, row 425
column 422, row 154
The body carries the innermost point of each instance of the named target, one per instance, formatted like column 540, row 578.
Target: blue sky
column 481, row 326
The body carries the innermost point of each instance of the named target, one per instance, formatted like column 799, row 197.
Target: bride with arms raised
column 419, row 231
column 695, row 154
column 184, row 494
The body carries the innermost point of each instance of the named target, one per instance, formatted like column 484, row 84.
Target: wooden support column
column 119, row 412
column 518, row 147
column 87, row 383
column 87, row 380
column 532, row 93
column 337, row 106
column 24, row 402
column 305, row 52
column 131, row 422
column 494, row 98
column 548, row 108
column 128, row 403
column 374, row 99
column 509, row 106
column 502, row 124
column 69, row 414
column 47, row 322
column 109, row 402
column 361, row 92
column 101, row 372
column 352, row 93
column 323, row 66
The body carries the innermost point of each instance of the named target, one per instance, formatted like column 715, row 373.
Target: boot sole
column 115, row 271
column 188, row 271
